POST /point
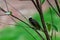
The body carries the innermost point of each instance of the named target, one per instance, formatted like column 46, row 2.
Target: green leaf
column 55, row 27
column 42, row 1
column 48, row 26
column 59, row 1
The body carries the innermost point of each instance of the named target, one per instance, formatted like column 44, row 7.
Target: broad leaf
column 55, row 27
column 42, row 1
column 48, row 26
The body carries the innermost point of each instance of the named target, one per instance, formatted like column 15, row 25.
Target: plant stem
column 6, row 5
column 16, row 10
column 56, row 2
column 20, row 20
column 15, row 17
column 37, row 2
column 28, row 25
column 53, row 8
column 24, row 28
column 39, row 34
column 39, row 8
column 2, row 10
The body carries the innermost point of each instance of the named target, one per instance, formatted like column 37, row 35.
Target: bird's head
column 30, row 18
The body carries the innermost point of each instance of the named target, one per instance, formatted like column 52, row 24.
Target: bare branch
column 42, row 18
column 6, row 5
column 53, row 8
column 57, row 5
column 17, row 10
column 2, row 10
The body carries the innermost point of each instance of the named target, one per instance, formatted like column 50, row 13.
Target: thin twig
column 23, row 22
column 34, row 4
column 17, row 10
column 24, row 28
column 16, row 17
column 12, row 19
column 20, row 20
column 56, row 2
column 42, row 19
column 6, row 5
column 2, row 10
column 53, row 8
column 37, row 2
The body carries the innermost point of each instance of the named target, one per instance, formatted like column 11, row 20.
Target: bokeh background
column 25, row 7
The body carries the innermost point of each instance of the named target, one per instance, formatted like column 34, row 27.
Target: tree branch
column 53, row 8
column 42, row 19
column 2, row 10
column 17, row 10
column 15, row 17
column 57, row 5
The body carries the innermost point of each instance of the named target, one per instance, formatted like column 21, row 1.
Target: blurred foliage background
column 18, row 31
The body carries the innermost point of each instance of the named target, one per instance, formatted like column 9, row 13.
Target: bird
column 34, row 23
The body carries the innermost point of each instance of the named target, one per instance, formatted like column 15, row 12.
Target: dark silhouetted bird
column 34, row 23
